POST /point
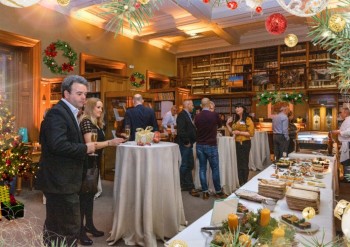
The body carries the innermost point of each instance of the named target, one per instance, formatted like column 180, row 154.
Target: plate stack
column 299, row 199
column 272, row 188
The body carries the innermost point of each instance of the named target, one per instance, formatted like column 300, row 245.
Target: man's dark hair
column 69, row 80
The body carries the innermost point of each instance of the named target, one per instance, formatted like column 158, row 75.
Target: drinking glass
column 127, row 132
column 93, row 139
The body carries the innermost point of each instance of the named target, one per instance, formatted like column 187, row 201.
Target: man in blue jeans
column 207, row 123
column 186, row 137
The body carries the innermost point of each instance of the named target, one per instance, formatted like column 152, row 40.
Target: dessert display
column 295, row 221
column 272, row 188
column 250, row 195
column 299, row 199
column 241, row 208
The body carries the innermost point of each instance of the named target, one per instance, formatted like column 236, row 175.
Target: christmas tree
column 14, row 155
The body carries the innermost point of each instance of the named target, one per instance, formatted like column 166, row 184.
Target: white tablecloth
column 147, row 199
column 259, row 157
column 193, row 236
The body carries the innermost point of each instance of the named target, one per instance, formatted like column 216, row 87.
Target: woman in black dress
column 92, row 119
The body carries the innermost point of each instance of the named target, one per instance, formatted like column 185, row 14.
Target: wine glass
column 93, row 139
column 127, row 132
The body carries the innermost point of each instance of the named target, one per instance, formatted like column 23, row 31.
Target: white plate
column 314, row 227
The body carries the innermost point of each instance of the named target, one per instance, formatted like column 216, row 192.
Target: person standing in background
column 344, row 136
column 169, row 119
column 207, row 123
column 293, row 130
column 211, row 106
column 280, row 125
column 186, row 137
column 63, row 157
column 242, row 128
column 92, row 119
column 139, row 116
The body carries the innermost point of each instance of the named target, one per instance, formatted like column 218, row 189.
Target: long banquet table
column 147, row 200
column 193, row 236
column 259, row 159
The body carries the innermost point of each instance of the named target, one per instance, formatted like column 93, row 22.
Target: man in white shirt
column 169, row 119
column 344, row 136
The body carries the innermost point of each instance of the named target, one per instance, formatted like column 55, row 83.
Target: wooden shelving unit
column 293, row 67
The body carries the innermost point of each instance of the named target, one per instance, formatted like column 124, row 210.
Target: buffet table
column 147, row 199
column 259, row 159
column 193, row 236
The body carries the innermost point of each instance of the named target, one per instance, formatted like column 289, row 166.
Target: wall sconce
column 43, row 99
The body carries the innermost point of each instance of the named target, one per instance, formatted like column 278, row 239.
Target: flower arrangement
column 137, row 75
column 51, row 52
column 250, row 226
column 266, row 98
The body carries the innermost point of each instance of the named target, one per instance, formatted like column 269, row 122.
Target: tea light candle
column 264, row 216
column 232, row 222
column 277, row 234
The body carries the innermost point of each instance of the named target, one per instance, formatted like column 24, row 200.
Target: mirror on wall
column 94, row 64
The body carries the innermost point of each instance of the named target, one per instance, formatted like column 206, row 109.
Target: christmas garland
column 137, row 75
column 51, row 52
column 266, row 98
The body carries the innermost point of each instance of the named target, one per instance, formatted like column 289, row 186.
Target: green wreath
column 137, row 75
column 51, row 52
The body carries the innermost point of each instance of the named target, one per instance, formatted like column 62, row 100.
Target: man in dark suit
column 186, row 137
column 61, row 164
column 139, row 116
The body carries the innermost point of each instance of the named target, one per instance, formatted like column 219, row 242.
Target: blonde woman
column 92, row 119
column 242, row 128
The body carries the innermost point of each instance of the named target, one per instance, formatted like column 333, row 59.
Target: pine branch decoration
column 131, row 12
column 336, row 43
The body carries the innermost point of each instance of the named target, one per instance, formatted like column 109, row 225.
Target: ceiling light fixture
column 63, row 3
column 303, row 8
column 19, row 3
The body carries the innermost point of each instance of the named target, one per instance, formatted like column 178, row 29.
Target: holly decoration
column 232, row 5
column 266, row 98
column 51, row 52
column 258, row 10
column 137, row 75
column 276, row 24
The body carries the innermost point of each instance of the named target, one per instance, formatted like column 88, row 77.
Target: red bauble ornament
column 206, row 1
column 276, row 24
column 137, row 5
column 258, row 10
column 232, row 5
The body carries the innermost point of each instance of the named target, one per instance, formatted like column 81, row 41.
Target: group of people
column 65, row 137
column 202, row 130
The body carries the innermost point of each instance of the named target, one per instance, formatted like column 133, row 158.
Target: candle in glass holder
column 232, row 222
column 277, row 235
column 264, row 217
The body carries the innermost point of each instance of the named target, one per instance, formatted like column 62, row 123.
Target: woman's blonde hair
column 88, row 112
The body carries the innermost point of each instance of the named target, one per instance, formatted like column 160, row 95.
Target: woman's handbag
column 90, row 181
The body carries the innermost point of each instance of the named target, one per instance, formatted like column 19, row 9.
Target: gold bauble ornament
column 309, row 213
column 291, row 40
column 144, row 1
column 336, row 23
column 178, row 243
column 63, row 2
